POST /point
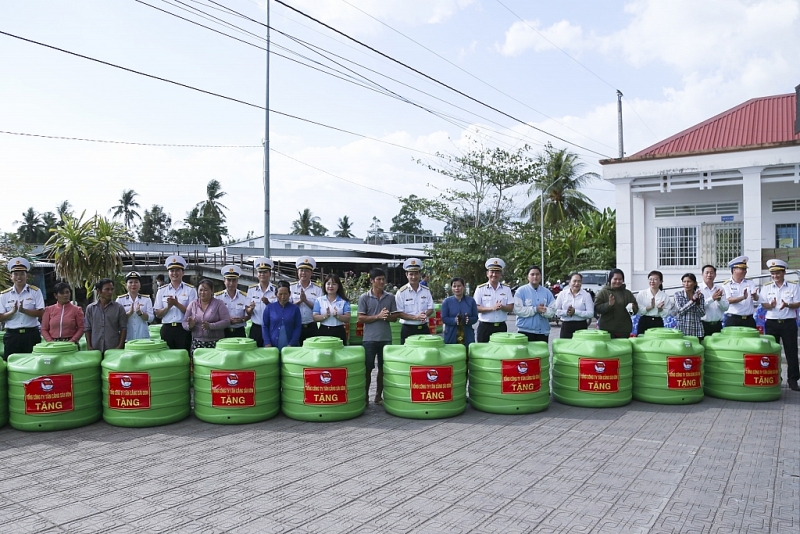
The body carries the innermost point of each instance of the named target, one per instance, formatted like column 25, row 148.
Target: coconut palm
column 211, row 208
column 560, row 180
column 307, row 224
column 125, row 208
column 65, row 208
column 345, row 228
column 31, row 227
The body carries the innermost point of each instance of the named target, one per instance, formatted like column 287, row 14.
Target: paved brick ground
column 716, row 466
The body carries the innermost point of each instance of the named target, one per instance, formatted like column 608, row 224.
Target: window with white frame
column 786, row 235
column 677, row 246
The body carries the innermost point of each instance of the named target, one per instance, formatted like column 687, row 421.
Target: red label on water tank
column 598, row 376
column 521, row 376
column 432, row 384
column 325, row 386
column 761, row 370
column 49, row 394
column 683, row 372
column 360, row 329
column 233, row 389
column 129, row 391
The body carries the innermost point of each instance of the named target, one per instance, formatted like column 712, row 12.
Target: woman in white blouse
column 332, row 310
column 138, row 308
column 653, row 302
column 575, row 307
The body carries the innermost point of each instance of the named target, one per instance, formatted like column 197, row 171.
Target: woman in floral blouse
column 690, row 307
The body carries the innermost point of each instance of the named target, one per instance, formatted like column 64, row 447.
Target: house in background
column 725, row 187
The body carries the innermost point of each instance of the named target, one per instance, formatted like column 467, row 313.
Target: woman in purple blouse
column 207, row 317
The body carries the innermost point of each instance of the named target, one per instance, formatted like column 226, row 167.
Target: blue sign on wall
column 727, row 218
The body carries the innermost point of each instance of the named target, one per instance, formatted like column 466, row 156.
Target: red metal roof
column 757, row 122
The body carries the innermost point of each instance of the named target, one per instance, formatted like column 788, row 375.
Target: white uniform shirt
column 254, row 294
column 137, row 326
column 185, row 294
column 787, row 293
column 413, row 302
column 715, row 310
column 582, row 303
column 487, row 296
column 313, row 292
column 644, row 299
column 736, row 289
column 29, row 298
column 235, row 305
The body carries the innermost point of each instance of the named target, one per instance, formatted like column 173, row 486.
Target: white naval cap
column 18, row 264
column 740, row 262
column 495, row 264
column 175, row 262
column 412, row 264
column 777, row 265
column 306, row 262
column 231, row 271
column 263, row 264
column 133, row 275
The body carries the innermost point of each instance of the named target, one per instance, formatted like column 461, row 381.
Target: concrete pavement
column 717, row 466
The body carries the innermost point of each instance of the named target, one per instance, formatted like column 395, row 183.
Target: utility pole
column 619, row 123
column 266, row 153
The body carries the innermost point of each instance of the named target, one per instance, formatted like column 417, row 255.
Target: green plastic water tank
column 509, row 375
column 592, row 370
column 155, row 331
column 54, row 388
column 323, row 380
column 396, row 326
column 237, row 382
column 3, row 392
column 425, row 379
column 145, row 384
column 742, row 365
column 667, row 367
column 356, row 329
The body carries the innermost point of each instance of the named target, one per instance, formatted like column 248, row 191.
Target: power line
column 214, row 94
column 465, row 71
column 465, row 95
column 60, row 137
column 590, row 71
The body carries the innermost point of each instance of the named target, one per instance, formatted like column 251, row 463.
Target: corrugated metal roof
column 758, row 123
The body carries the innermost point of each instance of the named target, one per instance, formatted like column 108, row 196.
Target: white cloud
column 522, row 36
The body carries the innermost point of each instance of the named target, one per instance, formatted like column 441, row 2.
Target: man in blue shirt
column 534, row 305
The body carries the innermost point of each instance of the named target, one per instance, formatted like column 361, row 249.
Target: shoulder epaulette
column 6, row 290
column 727, row 281
column 33, row 287
column 188, row 285
column 145, row 296
column 252, row 286
column 484, row 284
column 769, row 284
column 403, row 288
column 218, row 293
column 243, row 293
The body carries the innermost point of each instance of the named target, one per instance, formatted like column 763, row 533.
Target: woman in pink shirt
column 63, row 321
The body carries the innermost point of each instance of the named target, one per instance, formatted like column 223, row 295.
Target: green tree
column 345, row 228
column 31, row 227
column 200, row 230
column 308, row 224
column 406, row 221
column 50, row 221
column 65, row 208
column 86, row 250
column 560, row 178
column 126, row 208
column 211, row 208
column 155, row 226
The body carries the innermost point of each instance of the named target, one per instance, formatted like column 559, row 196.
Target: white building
column 725, row 187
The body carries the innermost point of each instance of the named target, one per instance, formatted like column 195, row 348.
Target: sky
column 550, row 69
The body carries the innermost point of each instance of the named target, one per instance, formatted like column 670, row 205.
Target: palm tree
column 560, row 180
column 125, row 208
column 345, row 227
column 65, row 208
column 211, row 207
column 49, row 221
column 31, row 227
column 307, row 224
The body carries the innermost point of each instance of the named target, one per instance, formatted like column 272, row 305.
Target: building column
column 751, row 215
column 625, row 226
